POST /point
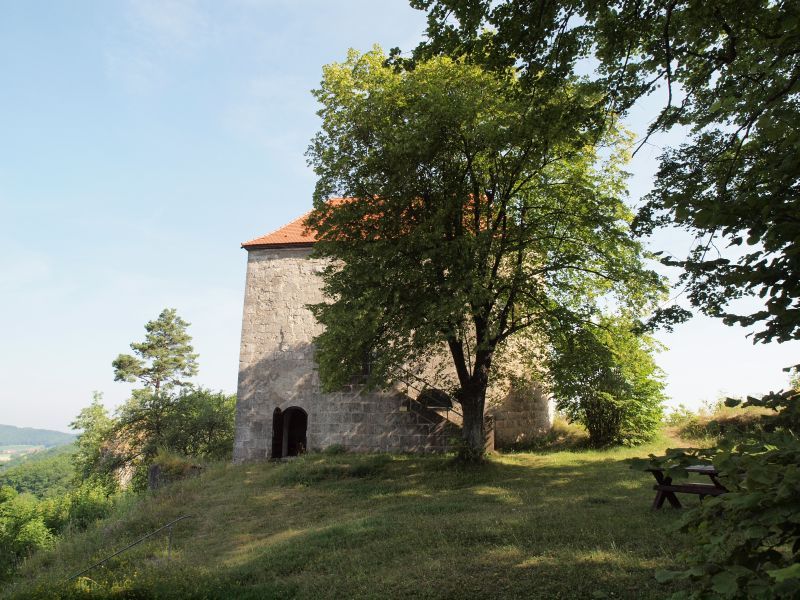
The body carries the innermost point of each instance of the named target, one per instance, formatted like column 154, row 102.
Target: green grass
column 569, row 524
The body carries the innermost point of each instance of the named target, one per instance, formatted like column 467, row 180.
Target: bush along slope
column 28, row 524
column 747, row 540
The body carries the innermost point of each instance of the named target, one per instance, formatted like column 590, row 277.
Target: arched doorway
column 289, row 432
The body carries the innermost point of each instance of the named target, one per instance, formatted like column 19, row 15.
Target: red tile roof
column 291, row 235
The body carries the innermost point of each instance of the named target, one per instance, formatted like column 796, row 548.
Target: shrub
column 562, row 435
column 76, row 509
column 87, row 504
column 605, row 378
column 28, row 524
column 716, row 420
column 170, row 466
column 33, row 534
column 47, row 473
column 22, row 529
column 679, row 417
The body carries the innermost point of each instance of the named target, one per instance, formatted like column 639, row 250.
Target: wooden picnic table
column 666, row 490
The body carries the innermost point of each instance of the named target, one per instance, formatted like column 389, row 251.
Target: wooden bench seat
column 703, row 489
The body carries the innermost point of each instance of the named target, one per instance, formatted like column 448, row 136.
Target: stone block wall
column 277, row 370
column 526, row 412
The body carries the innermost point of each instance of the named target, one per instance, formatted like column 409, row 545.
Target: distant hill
column 29, row 436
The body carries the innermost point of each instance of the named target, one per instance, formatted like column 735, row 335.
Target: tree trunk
column 473, row 434
column 472, row 397
column 473, row 402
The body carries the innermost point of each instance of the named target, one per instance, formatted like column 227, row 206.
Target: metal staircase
column 445, row 415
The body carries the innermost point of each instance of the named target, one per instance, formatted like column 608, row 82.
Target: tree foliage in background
column 46, row 473
column 731, row 71
column 164, row 360
column 604, row 377
column 167, row 412
column 474, row 214
column 94, row 457
column 196, row 423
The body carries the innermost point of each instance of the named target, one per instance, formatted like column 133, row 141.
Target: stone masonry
column 277, row 370
column 525, row 413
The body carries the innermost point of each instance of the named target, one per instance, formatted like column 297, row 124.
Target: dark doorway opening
column 289, row 432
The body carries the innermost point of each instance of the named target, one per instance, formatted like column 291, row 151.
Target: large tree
column 731, row 73
column 473, row 215
column 161, row 364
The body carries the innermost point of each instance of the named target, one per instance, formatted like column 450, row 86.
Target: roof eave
column 275, row 246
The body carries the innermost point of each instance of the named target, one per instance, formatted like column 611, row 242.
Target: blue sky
column 142, row 140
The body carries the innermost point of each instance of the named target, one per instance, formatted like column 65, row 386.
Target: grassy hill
column 570, row 524
column 30, row 436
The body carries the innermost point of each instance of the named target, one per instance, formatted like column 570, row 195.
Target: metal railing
column 136, row 543
column 451, row 409
column 489, row 422
column 418, row 384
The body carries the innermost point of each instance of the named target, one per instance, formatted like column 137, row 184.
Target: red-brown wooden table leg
column 661, row 495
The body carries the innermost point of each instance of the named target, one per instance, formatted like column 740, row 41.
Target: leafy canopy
column 28, row 524
column 736, row 181
column 164, row 359
column 95, row 426
column 731, row 71
column 46, row 473
column 166, row 413
column 195, row 422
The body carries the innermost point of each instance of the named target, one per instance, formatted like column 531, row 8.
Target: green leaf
column 725, row 583
column 664, row 576
column 791, row 572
